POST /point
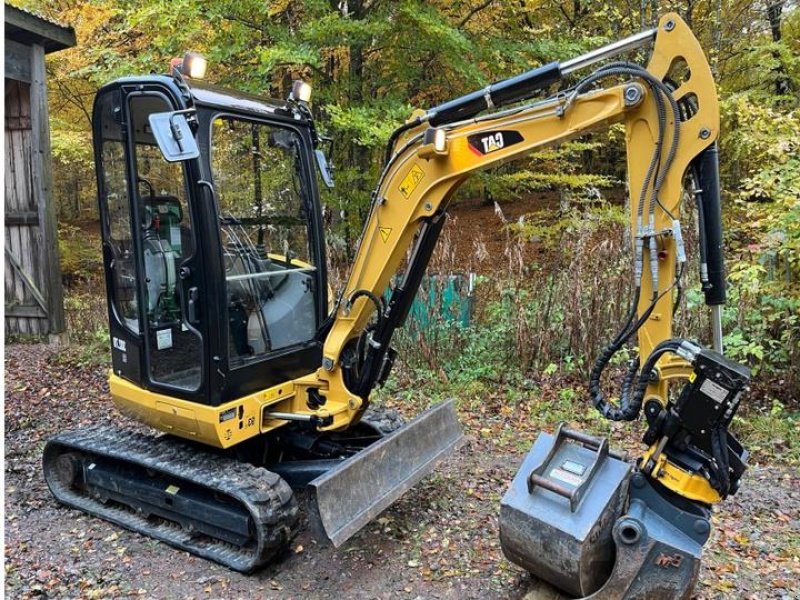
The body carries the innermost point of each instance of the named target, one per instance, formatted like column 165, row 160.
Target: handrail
column 269, row 273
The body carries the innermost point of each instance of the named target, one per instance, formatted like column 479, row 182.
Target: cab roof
column 212, row 96
column 219, row 97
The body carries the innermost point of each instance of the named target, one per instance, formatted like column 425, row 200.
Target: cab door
column 151, row 255
column 271, row 265
column 168, row 255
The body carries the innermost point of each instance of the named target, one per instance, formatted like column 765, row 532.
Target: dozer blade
column 346, row 498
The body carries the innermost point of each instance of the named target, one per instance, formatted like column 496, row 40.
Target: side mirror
column 325, row 170
column 174, row 136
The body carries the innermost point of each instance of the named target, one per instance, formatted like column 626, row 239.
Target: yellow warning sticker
column 385, row 231
column 411, row 181
column 172, row 490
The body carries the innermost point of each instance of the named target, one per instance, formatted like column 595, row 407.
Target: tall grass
column 553, row 315
column 87, row 321
column 530, row 315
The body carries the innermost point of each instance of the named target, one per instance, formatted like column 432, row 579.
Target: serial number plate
column 714, row 391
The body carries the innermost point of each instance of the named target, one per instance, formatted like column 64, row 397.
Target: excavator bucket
column 579, row 516
column 346, row 498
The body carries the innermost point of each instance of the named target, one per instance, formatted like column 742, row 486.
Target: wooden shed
column 33, row 293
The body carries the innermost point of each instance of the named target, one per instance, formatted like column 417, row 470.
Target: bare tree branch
column 474, row 11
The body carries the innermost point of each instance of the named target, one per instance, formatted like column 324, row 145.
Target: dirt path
column 439, row 541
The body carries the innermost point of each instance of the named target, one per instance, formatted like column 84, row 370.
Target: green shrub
column 81, row 254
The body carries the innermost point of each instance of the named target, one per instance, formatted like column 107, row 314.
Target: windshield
column 264, row 227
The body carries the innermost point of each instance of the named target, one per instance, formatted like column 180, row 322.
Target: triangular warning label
column 385, row 231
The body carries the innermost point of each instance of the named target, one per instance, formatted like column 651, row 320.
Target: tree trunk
column 717, row 39
column 359, row 154
column 782, row 84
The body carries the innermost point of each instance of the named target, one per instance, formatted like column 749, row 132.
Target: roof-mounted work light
column 301, row 91
column 192, row 65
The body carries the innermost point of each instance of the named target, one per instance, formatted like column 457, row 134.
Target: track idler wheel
column 67, row 469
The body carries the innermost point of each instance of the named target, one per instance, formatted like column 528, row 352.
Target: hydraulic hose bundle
column 705, row 175
column 630, row 407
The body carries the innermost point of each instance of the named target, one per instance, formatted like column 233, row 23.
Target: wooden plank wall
column 34, row 296
column 18, row 61
column 42, row 170
column 23, row 313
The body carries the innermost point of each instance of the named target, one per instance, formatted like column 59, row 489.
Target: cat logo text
column 492, row 141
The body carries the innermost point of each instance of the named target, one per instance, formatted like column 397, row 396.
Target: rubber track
column 267, row 497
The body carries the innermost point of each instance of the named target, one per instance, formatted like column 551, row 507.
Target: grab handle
column 575, row 495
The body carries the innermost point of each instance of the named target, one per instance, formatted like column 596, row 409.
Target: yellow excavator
column 226, row 339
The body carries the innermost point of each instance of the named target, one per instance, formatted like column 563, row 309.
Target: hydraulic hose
column 647, row 368
column 353, row 372
column 378, row 302
column 661, row 89
column 628, row 380
column 380, row 308
column 393, row 138
column 627, row 410
column 629, row 69
column 605, row 356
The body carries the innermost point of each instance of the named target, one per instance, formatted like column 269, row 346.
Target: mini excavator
column 226, row 339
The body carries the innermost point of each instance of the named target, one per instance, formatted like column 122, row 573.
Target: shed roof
column 28, row 28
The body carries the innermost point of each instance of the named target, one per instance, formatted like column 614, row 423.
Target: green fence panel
column 445, row 298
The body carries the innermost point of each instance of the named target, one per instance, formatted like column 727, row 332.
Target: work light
column 194, row 65
column 301, row 91
column 436, row 137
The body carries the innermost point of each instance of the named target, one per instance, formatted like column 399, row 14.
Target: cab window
column 167, row 239
column 117, row 212
column 264, row 227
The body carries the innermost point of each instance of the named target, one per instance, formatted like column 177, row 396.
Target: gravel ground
column 439, row 541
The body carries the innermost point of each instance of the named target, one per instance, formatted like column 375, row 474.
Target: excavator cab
column 241, row 311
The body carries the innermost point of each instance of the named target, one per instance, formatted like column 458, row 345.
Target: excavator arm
column 671, row 129
column 431, row 158
column 671, row 116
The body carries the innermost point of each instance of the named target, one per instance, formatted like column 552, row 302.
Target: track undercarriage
column 240, row 511
column 217, row 508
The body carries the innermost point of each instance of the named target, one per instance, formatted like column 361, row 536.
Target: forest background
column 557, row 280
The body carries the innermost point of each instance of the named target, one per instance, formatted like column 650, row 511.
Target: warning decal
column 385, row 231
column 411, row 181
